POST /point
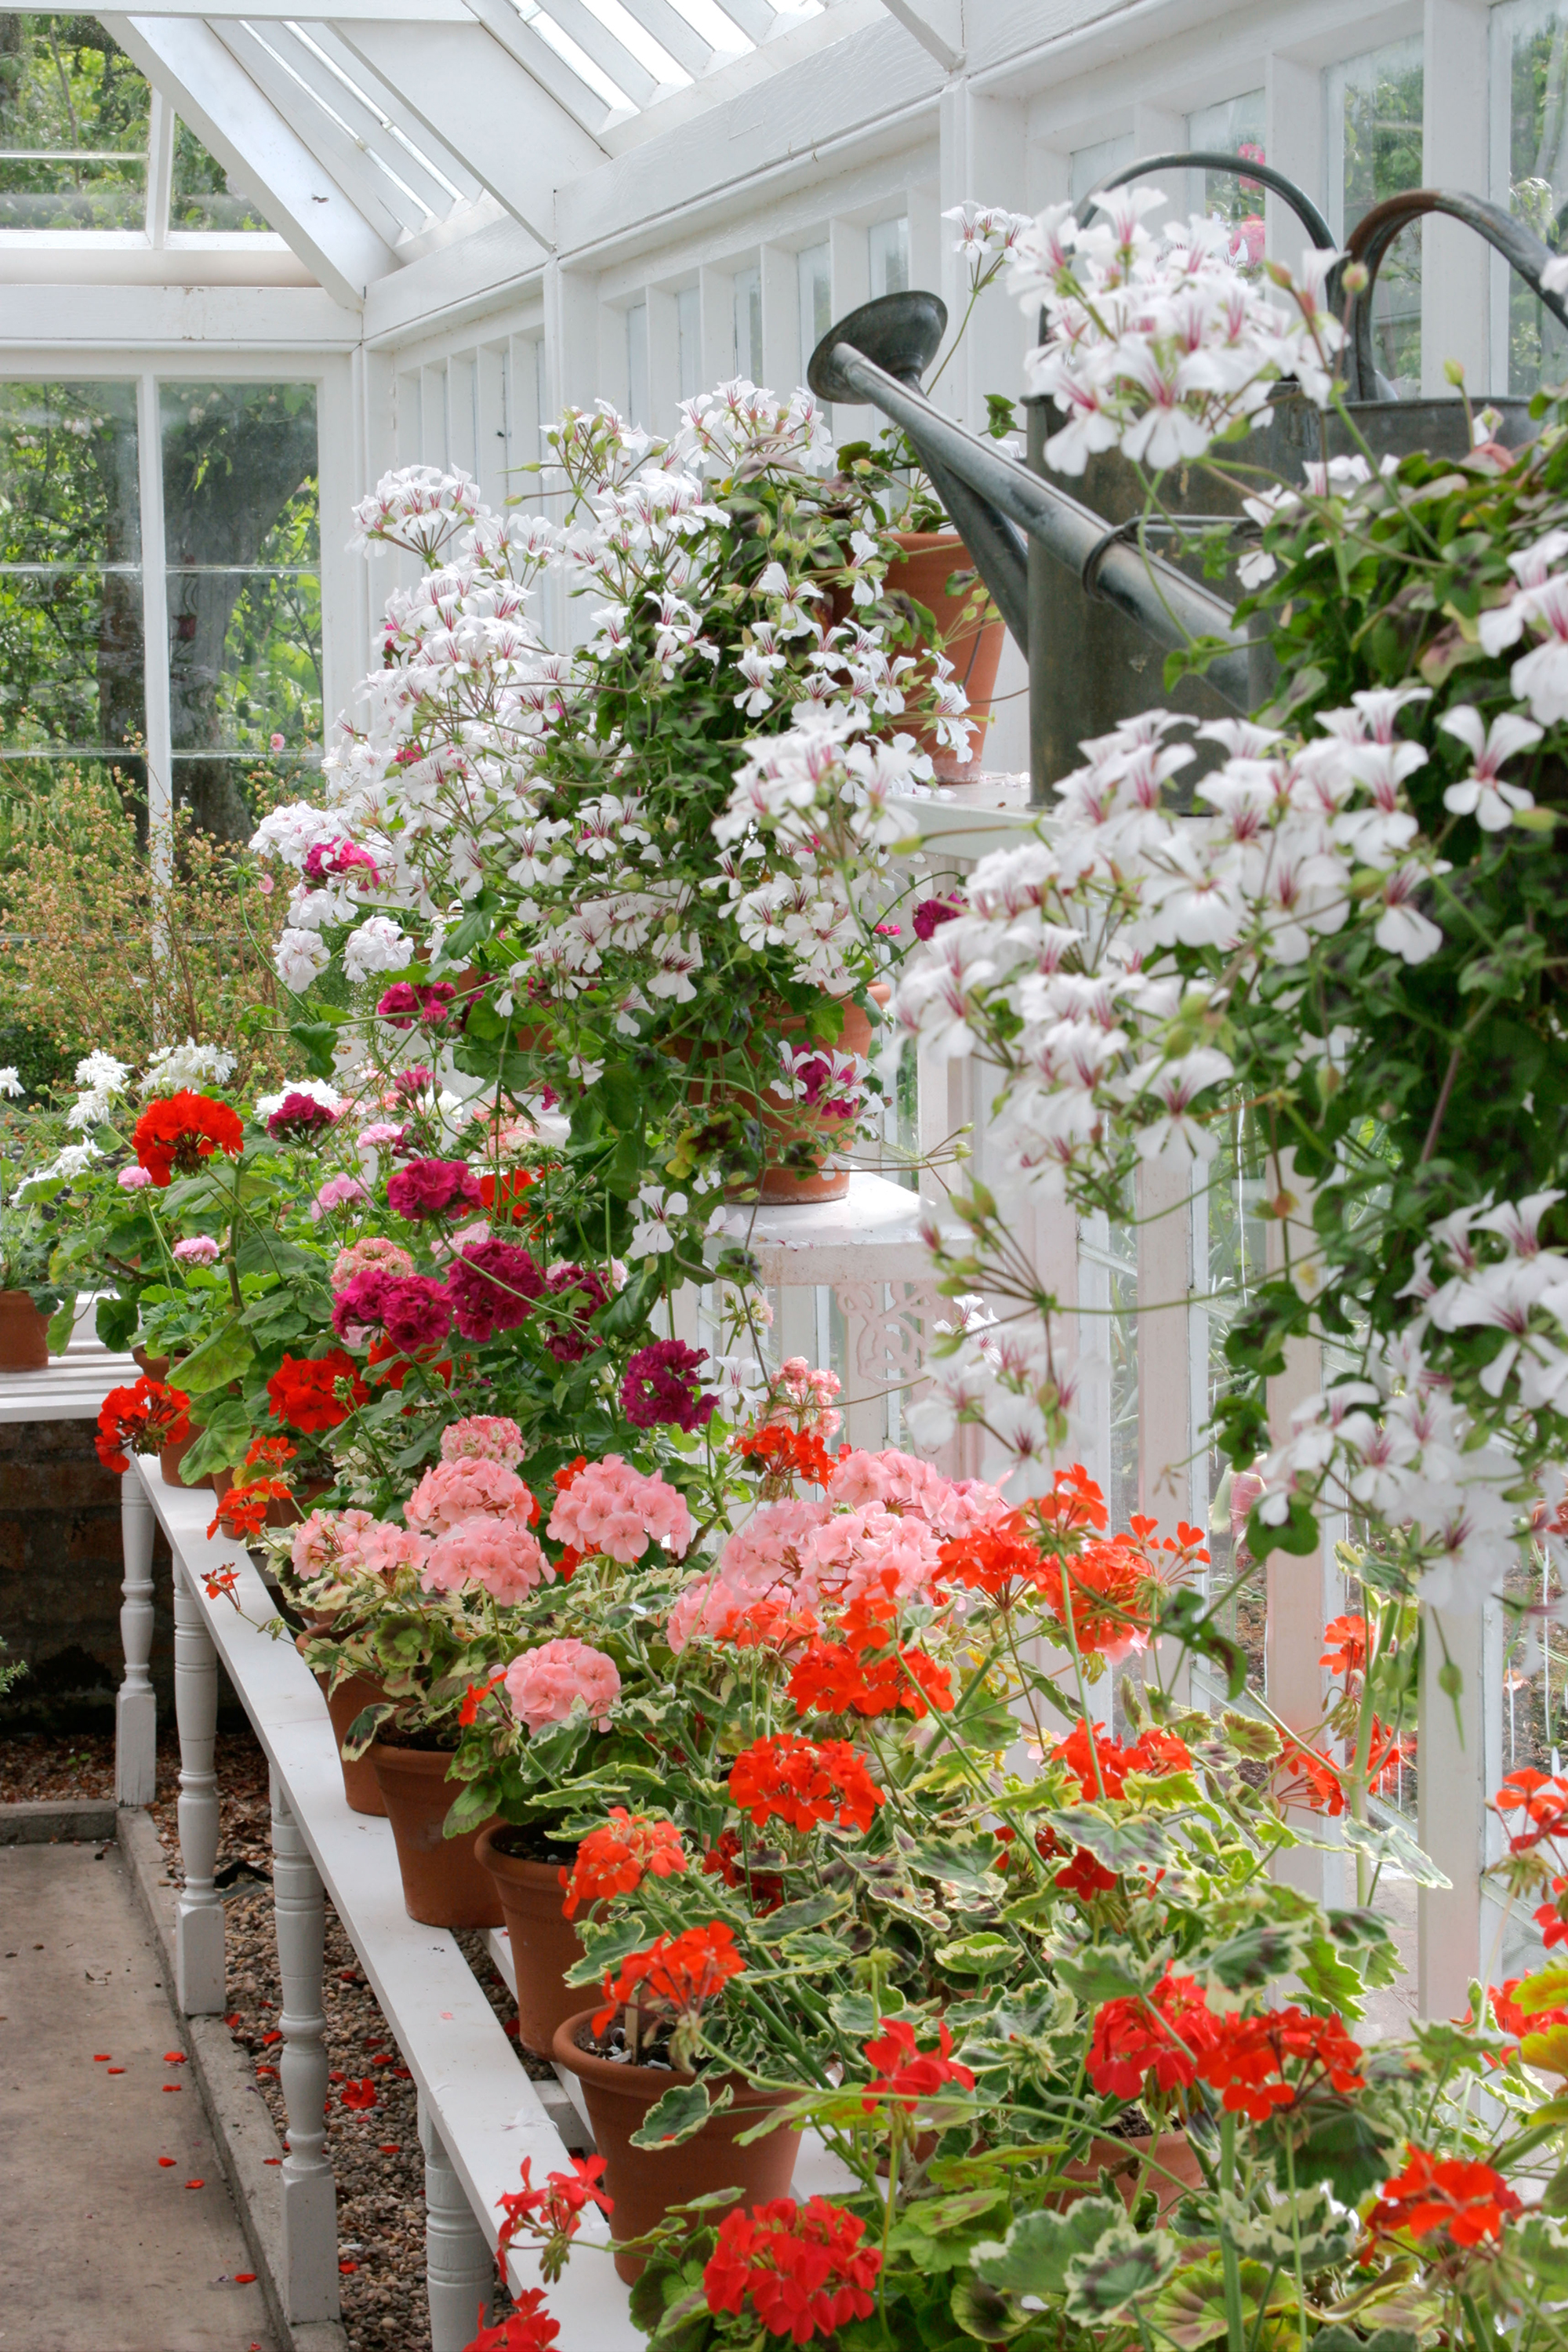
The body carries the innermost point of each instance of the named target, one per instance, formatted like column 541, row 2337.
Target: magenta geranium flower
column 492, row 1286
column 661, row 1387
column 432, row 1188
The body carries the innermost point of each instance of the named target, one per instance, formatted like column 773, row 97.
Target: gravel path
column 376, row 2150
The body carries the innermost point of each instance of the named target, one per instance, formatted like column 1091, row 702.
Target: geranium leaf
column 1392, row 1845
column 1102, row 1972
column 1033, row 2256
column 795, row 1919
column 1122, row 2266
column 1126, row 1843
column 977, row 1956
column 226, row 1357
column 1259, row 1954
column 679, row 2114
column 984, row 2315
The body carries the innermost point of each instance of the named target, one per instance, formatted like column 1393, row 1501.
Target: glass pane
column 1233, row 127
column 73, row 127
column 70, row 492
column 815, row 271
column 689, row 343
column 748, row 284
column 889, row 248
column 70, row 658
column 1090, row 165
column 201, row 195
column 1375, row 105
column 244, row 589
column 244, row 659
column 1537, row 66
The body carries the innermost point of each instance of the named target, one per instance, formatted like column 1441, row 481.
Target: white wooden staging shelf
column 479, row 2113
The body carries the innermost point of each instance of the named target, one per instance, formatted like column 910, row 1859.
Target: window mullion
column 155, row 624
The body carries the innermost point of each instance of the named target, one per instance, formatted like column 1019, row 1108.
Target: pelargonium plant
column 1093, row 2074
column 1336, row 938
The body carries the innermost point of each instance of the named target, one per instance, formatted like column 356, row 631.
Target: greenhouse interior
column 819, row 1597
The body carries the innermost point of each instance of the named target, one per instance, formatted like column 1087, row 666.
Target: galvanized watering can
column 1076, row 596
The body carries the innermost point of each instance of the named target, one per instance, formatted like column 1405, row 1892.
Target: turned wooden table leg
column 199, row 1954
column 136, row 1709
column 309, row 2191
column 459, row 2269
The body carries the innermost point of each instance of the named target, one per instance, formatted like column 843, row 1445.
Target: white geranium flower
column 1481, row 793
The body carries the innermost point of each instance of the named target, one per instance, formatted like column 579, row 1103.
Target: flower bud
column 1357, row 278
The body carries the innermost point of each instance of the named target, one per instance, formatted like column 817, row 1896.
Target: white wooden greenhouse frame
column 484, row 208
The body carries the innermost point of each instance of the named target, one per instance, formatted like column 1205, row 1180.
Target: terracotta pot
column 171, row 1457
column 1124, row 2158
column 930, row 557
column 646, row 2182
column 545, row 1942
column 156, row 1367
column 785, row 1123
column 351, row 1696
column 444, row 1883
column 24, row 1334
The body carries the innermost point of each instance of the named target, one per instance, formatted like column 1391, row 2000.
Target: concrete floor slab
column 106, row 2249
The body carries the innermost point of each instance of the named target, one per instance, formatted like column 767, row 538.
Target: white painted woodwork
column 460, row 2269
column 937, row 25
column 1456, row 264
column 212, row 92
column 309, row 2282
column 199, row 1954
column 136, row 1706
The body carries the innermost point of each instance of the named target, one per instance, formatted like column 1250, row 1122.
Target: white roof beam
column 517, row 140
column 393, row 212
column 756, row 19
column 610, row 55
column 408, row 123
column 411, row 187
column 937, row 25
column 539, row 60
column 683, row 41
column 210, row 89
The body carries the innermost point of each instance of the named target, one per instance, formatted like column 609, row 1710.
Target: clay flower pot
column 929, row 560
column 24, row 1334
column 645, row 2182
column 350, row 1698
column 783, row 1122
column 171, row 1457
column 1124, row 2159
column 545, row 1942
column 444, row 1883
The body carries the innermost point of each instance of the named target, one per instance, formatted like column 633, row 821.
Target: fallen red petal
column 101, row 2057
column 348, row 2266
column 272, row 2160
column 272, row 2035
column 244, row 2278
column 348, row 1976
column 195, row 2184
column 170, row 2086
column 117, row 2070
column 174, row 2057
column 233, row 2022
column 167, row 2162
column 389, row 2148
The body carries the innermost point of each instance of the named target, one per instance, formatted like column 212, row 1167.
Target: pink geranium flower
column 498, row 1555
column 452, row 1492
column 545, row 1686
column 483, row 1437
column 611, row 1507
column 374, row 1255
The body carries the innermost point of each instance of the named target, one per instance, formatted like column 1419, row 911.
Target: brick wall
column 60, row 1567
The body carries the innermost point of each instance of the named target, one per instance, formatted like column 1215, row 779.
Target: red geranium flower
column 178, row 1133
column 1156, row 1753
column 144, row 1418
column 679, row 1971
column 866, row 1672
column 303, row 1390
column 242, row 1511
column 785, row 1454
column 1344, row 1645
column 1466, row 2199
column 1316, row 1784
column 527, row 2328
column 801, row 2268
column 803, row 1782
column 727, row 1858
column 556, row 2209
column 1246, row 2059
column 503, row 1199
column 906, row 2073
column 1541, row 1799
column 1085, row 1877
column 1075, row 1501
column 615, row 1860
column 1163, row 2036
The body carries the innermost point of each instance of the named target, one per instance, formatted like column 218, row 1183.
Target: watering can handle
column 1204, row 158
column 1375, row 232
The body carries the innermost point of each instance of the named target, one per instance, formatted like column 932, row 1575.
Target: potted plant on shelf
column 30, row 1300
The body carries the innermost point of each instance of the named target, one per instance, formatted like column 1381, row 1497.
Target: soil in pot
column 444, row 1883
column 352, row 1697
column 646, row 2182
column 545, row 1942
column 24, row 1334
